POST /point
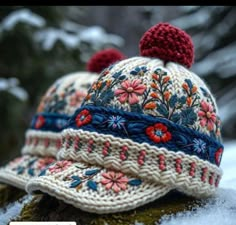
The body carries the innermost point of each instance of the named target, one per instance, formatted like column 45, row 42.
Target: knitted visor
column 147, row 126
column 43, row 139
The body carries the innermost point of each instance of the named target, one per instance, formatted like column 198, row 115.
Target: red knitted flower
column 39, row 122
column 158, row 133
column 84, row 117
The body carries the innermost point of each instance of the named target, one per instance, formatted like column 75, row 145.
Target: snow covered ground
column 219, row 211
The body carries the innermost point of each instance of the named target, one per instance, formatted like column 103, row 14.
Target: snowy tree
column 39, row 44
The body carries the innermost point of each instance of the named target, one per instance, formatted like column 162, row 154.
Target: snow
column 192, row 20
column 96, row 35
column 73, row 35
column 229, row 166
column 13, row 210
column 24, row 16
column 215, row 60
column 11, row 85
column 220, row 210
column 48, row 37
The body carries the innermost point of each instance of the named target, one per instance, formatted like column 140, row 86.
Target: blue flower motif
column 117, row 74
column 139, row 70
column 116, row 122
column 60, row 123
column 199, row 145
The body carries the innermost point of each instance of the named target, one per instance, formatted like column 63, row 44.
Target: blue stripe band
column 49, row 122
column 141, row 128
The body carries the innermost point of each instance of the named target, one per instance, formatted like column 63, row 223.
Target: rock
column 9, row 194
column 47, row 208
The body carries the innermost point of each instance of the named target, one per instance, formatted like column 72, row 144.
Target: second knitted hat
column 43, row 138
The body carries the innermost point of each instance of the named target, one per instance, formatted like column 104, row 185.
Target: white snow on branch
column 48, row 37
column 11, row 85
column 189, row 8
column 192, row 20
column 95, row 36
column 24, row 16
column 222, row 59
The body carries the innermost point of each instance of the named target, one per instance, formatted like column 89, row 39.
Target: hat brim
column 18, row 171
column 95, row 189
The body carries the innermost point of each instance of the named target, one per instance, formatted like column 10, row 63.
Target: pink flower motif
column 42, row 163
column 208, row 117
column 77, row 97
column 17, row 161
column 116, row 181
column 60, row 166
column 129, row 91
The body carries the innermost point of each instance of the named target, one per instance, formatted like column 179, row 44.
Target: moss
column 151, row 213
column 9, row 194
column 47, row 208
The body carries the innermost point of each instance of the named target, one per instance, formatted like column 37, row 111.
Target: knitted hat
column 43, row 138
column 147, row 126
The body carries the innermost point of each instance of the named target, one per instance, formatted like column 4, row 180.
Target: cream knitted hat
column 43, row 138
column 147, row 126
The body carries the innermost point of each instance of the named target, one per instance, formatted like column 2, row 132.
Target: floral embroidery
column 83, row 118
column 129, row 91
column 60, row 123
column 79, row 180
column 60, row 166
column 114, row 181
column 39, row 122
column 139, row 71
column 155, row 97
column 92, row 177
column 24, row 166
column 44, row 162
column 59, row 97
column 158, row 133
column 116, row 122
column 218, row 156
column 207, row 115
column 77, row 97
column 16, row 161
column 199, row 145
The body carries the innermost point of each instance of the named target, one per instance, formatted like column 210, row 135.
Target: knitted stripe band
column 150, row 163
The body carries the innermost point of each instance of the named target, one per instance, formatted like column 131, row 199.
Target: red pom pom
column 104, row 58
column 168, row 43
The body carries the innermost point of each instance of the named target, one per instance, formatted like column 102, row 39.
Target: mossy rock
column 47, row 208
column 9, row 194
